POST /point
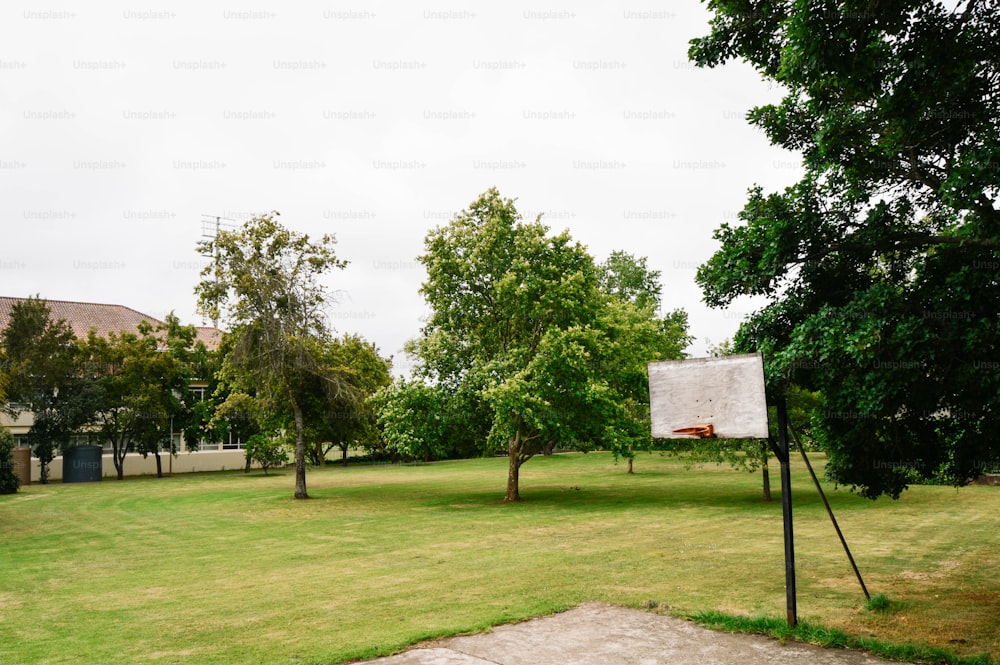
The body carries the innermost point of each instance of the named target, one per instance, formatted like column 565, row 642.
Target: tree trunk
column 300, row 452
column 118, row 451
column 630, row 466
column 765, row 473
column 159, row 465
column 514, row 469
column 316, row 454
column 344, row 448
column 246, row 469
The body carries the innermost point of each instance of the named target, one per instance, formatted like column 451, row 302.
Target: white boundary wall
column 135, row 465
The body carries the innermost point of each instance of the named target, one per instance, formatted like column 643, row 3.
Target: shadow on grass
column 678, row 496
column 572, row 497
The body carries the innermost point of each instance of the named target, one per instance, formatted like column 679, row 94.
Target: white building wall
column 136, row 465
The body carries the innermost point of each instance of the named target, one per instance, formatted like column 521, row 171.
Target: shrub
column 266, row 451
column 9, row 482
column 878, row 603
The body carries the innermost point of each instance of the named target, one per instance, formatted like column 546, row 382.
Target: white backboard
column 725, row 392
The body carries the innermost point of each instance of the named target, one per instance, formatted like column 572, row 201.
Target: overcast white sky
column 123, row 124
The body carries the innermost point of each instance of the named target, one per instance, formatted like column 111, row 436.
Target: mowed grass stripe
column 227, row 568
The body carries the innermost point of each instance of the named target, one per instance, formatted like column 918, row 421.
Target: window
column 176, row 440
column 232, row 443
column 207, row 445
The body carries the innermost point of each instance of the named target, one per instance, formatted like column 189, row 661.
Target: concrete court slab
column 600, row 634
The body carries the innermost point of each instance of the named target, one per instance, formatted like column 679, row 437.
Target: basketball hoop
column 700, row 431
column 708, row 398
column 727, row 397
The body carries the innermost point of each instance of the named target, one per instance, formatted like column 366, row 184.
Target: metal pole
column 829, row 511
column 786, row 509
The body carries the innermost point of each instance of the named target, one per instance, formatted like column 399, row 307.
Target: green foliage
column 181, row 358
column 830, row 638
column 421, row 421
column 344, row 419
column 9, row 481
column 414, row 420
column 46, row 379
column 265, row 281
column 266, row 450
column 880, row 265
column 140, row 377
column 743, row 454
column 630, row 279
column 523, row 338
column 4, row 378
column 219, row 412
column 878, row 603
column 196, row 365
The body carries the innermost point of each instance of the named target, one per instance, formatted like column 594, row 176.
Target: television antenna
column 211, row 225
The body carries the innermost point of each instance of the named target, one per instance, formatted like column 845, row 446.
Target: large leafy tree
column 228, row 415
column 637, row 334
column 522, row 336
column 344, row 419
column 264, row 284
column 213, row 413
column 43, row 366
column 881, row 264
column 414, row 419
column 418, row 420
column 141, row 377
column 183, row 358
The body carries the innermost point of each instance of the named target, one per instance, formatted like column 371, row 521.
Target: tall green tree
column 630, row 279
column 264, row 283
column 141, row 380
column 414, row 419
column 240, row 416
column 184, row 361
column 212, row 413
column 345, row 419
column 638, row 334
column 419, row 420
column 522, row 331
column 881, row 264
column 45, row 379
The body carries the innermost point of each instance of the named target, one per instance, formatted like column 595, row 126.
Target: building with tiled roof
column 83, row 317
column 208, row 335
column 104, row 319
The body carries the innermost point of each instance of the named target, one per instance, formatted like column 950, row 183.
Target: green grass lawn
column 227, row 568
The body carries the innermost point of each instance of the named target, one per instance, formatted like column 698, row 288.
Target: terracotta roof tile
column 102, row 318
column 209, row 335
